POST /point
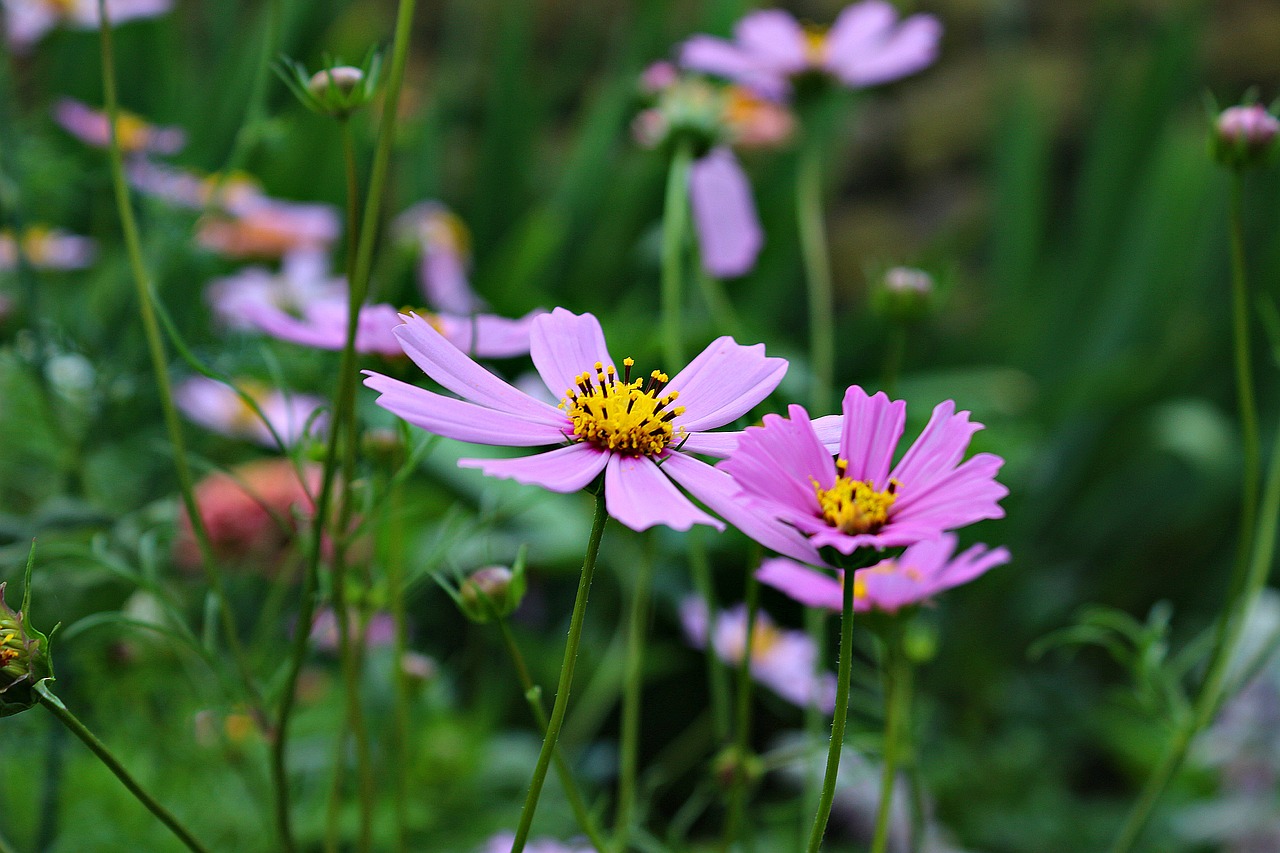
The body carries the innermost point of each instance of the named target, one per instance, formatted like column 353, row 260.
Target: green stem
column 717, row 677
column 633, row 686
column 1213, row 691
column 815, row 626
column 566, row 677
column 817, row 266
column 358, row 287
column 843, row 677
column 675, row 218
column 98, row 748
column 396, row 592
column 256, row 111
column 742, row 715
column 897, row 685
column 533, row 696
column 155, row 347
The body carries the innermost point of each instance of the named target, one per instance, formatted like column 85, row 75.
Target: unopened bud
column 492, row 591
column 904, row 294
column 343, row 79
column 336, row 91
column 1244, row 136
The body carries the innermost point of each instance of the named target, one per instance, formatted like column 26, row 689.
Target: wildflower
column 93, row 127
column 27, row 21
column 47, row 248
column 445, row 249
column 336, row 91
column 24, row 656
column 233, row 193
column 866, row 45
column 904, row 294
column 724, row 215
column 303, row 279
column 784, row 661
column 216, row 406
column 269, row 228
column 922, row 571
column 494, row 590
column 503, row 841
column 252, row 513
column 857, row 501
column 1244, row 136
column 636, row 432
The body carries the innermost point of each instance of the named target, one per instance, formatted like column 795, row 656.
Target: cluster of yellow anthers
column 8, row 653
column 855, row 506
column 622, row 415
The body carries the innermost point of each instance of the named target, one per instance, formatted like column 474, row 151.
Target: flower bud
column 492, row 591
column 732, row 767
column 904, row 294
column 336, row 91
column 1244, row 136
column 344, row 79
column 24, row 659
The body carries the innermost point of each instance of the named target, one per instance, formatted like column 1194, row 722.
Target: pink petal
column 716, row 56
column 828, row 429
column 859, row 28
column 970, row 564
column 911, row 47
column 725, row 381
column 724, row 214
column 446, row 364
column 722, row 494
column 872, row 428
column 565, row 469
column 461, row 420
column 939, row 448
column 961, row 496
column 774, row 39
column 639, row 495
column 565, row 345
column 808, row 586
column 780, row 461
column 495, row 337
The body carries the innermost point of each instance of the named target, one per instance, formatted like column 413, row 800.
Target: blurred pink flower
column 607, row 424
column 724, row 214
column 217, row 407
column 1250, row 124
column 445, row 248
column 786, row 473
column 235, row 192
column 784, row 661
column 866, row 45
column 269, row 228
column 47, row 248
column 27, row 21
column 136, row 136
column 378, row 633
column 921, row 572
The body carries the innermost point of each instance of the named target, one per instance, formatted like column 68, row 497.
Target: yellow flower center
column 855, row 506
column 37, row 244
column 7, row 653
column 132, row 132
column 622, row 415
column 815, row 44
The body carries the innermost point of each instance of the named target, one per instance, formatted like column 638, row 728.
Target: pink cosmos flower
column 27, row 21
column 269, row 228
column 921, row 572
column 304, row 305
column 234, row 193
column 866, row 45
column 863, row 500
column 724, row 214
column 136, row 136
column 216, row 406
column 784, row 661
column 1250, row 124
column 445, row 248
column 636, row 432
column 47, row 248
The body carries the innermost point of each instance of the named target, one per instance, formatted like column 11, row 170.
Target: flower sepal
column 494, row 592
column 336, row 90
column 25, row 662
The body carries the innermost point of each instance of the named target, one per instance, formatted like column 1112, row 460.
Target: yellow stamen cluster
column 815, row 44
column 9, row 641
column 855, row 506
column 618, row 414
column 132, row 132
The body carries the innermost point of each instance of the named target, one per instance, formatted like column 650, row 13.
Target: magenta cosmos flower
column 27, row 21
column 93, row 127
column 47, row 249
column 636, row 430
column 861, row 499
column 921, row 572
column 784, row 661
column 866, row 45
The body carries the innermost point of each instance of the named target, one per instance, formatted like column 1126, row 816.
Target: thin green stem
column 358, row 287
column 159, row 365
column 675, row 218
column 742, row 715
column 815, row 626
column 256, row 110
column 98, row 748
column 401, row 731
column 817, row 266
column 633, row 686
column 897, row 687
column 561, row 705
column 843, row 677
column 533, row 696
column 717, row 677
column 1213, row 691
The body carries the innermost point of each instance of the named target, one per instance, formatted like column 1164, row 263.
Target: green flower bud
column 337, row 90
column 492, row 591
column 1244, row 137
column 904, row 294
column 24, row 659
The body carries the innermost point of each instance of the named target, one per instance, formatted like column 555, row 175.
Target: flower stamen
column 622, row 415
column 855, row 506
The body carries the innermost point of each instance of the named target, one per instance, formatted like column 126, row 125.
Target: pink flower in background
column 47, row 248
column 866, row 45
column 1250, row 124
column 378, row 633
column 784, row 661
column 922, row 571
column 27, row 21
column 216, row 406
column 724, row 214
column 303, row 278
column 636, row 432
column 863, row 500
column 136, row 136
column 235, row 192
column 269, row 228
column 445, row 248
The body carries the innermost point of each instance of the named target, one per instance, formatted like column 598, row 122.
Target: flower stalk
column 897, row 688
column 738, row 783
column 633, row 686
